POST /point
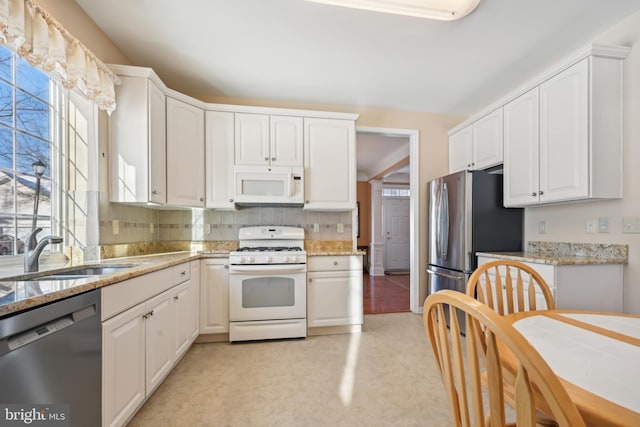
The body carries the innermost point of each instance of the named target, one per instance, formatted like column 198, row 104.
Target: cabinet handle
column 151, row 313
column 273, row 159
column 202, row 199
column 183, row 273
column 266, row 159
column 231, row 200
column 541, row 192
column 154, row 192
column 177, row 297
column 226, row 267
column 534, row 194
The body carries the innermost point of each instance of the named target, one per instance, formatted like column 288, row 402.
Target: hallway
column 386, row 294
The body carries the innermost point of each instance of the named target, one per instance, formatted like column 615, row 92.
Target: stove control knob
column 250, row 259
column 287, row 258
column 267, row 259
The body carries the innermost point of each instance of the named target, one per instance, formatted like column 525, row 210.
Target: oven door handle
column 268, row 269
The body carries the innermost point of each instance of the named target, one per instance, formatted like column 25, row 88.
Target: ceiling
column 299, row 51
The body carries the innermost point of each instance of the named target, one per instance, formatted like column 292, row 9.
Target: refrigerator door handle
column 443, row 222
column 448, row 276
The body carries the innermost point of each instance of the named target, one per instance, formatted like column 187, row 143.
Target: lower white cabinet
column 145, row 322
column 214, row 296
column 580, row 286
column 334, row 291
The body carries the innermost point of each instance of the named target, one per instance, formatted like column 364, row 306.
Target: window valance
column 41, row 40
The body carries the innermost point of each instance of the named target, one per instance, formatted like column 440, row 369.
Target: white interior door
column 395, row 213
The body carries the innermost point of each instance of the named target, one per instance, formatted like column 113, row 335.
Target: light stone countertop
column 17, row 294
column 567, row 253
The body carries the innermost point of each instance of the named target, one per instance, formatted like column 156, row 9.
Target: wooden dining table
column 596, row 355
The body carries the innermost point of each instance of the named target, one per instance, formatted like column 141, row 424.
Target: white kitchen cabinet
column 145, row 321
column 563, row 139
column 479, row 145
column 123, row 366
column 137, row 139
column 185, row 151
column 334, row 291
column 329, row 164
column 219, row 152
column 214, row 296
column 159, row 339
column 186, row 301
column 268, row 140
column 580, row 286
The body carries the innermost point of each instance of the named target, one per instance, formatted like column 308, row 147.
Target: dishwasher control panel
column 26, row 337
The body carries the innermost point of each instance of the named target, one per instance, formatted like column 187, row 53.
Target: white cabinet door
column 123, row 366
column 214, row 296
column 219, row 154
column 487, row 141
column 564, row 135
column 334, row 298
column 185, row 151
column 521, row 150
column 193, row 324
column 137, row 143
column 252, row 139
column 286, row 142
column 461, row 150
column 182, row 295
column 159, row 337
column 330, row 164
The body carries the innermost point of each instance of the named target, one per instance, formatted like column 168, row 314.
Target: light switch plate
column 631, row 224
column 340, row 228
column 590, row 226
column 207, row 229
column 316, row 228
column 603, row 225
column 151, row 228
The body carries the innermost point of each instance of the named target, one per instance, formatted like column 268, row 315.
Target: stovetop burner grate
column 269, row 248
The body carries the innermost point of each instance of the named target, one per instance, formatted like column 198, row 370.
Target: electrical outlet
column 207, row 229
column 542, row 227
column 631, row 224
column 316, row 228
column 591, row 226
column 115, row 224
column 340, row 228
column 603, row 225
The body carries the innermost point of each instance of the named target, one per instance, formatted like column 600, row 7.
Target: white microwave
column 269, row 185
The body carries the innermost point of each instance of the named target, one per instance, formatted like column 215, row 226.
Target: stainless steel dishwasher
column 52, row 355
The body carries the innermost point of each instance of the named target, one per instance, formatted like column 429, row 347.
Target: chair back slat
column 462, row 371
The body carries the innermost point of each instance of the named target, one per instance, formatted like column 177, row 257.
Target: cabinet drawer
column 328, row 263
column 120, row 296
column 181, row 273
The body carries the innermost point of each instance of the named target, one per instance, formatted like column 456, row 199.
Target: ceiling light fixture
column 445, row 10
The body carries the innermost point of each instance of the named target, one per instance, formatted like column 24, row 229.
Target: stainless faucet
column 33, row 249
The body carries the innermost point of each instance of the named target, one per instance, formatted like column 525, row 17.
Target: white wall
column 566, row 223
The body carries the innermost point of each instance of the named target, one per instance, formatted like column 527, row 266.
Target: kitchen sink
column 80, row 272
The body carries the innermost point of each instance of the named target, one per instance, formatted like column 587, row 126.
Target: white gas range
column 267, row 284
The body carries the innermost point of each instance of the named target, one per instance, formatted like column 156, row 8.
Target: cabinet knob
column 231, row 200
column 177, row 297
column 310, row 280
column 266, row 159
column 154, row 192
column 534, row 194
column 541, row 192
column 202, row 199
column 226, row 267
column 183, row 273
column 273, row 159
column 306, row 201
column 335, row 262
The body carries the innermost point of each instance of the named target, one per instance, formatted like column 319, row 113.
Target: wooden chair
column 510, row 287
column 534, row 382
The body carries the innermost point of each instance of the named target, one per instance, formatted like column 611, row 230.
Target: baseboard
column 212, row 338
column 332, row 330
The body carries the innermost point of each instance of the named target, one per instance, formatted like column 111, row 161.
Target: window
column 29, row 158
column 395, row 192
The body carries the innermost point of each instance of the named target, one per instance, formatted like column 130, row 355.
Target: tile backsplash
column 141, row 224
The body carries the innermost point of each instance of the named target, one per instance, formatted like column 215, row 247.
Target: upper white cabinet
column 185, row 149
column 478, row 145
column 137, row 139
column 563, row 139
column 268, row 140
column 329, row 164
column 219, row 135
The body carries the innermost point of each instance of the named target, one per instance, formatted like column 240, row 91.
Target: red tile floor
column 386, row 294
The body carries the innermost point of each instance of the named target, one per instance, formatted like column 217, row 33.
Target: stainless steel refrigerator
column 466, row 215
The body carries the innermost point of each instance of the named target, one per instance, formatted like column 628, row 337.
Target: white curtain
column 37, row 37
